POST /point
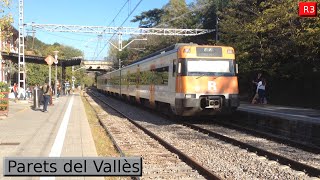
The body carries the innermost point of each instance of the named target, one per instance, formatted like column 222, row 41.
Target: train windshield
column 210, row 67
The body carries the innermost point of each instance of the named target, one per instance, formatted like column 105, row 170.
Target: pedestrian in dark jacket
column 46, row 96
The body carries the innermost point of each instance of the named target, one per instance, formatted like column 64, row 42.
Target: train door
column 172, row 80
column 137, row 86
column 152, row 86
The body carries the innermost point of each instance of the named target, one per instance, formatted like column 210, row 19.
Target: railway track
column 161, row 160
column 294, row 164
column 295, row 169
column 284, row 140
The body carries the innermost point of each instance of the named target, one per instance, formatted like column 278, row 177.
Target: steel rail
column 296, row 144
column 261, row 152
column 190, row 161
column 122, row 154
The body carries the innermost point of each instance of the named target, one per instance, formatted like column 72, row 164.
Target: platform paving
column 29, row 133
column 284, row 112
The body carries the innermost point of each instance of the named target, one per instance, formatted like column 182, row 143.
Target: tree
column 172, row 11
column 5, row 20
column 269, row 35
column 203, row 16
column 37, row 73
column 149, row 19
column 236, row 29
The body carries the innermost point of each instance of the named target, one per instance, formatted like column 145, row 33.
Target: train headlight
column 197, row 88
column 230, row 51
column 187, row 50
column 190, row 96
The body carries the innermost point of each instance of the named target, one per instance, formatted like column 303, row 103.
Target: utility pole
column 120, row 76
column 56, row 79
column 33, row 34
column 73, row 78
column 217, row 21
column 120, row 63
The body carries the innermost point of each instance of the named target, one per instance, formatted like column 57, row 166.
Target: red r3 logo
column 307, row 9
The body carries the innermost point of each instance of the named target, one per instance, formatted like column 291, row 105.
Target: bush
column 4, row 88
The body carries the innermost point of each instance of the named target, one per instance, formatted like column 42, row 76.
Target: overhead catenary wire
column 111, row 22
column 118, row 12
column 63, row 36
column 198, row 8
column 121, row 25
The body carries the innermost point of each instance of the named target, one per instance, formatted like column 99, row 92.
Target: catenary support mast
column 21, row 60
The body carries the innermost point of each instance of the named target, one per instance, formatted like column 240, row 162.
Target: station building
column 8, row 45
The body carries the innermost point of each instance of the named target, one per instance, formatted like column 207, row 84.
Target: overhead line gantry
column 119, row 30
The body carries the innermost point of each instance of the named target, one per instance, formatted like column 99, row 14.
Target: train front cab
column 206, row 82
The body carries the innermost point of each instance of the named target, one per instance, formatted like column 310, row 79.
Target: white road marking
column 58, row 142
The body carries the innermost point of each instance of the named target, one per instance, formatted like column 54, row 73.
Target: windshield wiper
column 200, row 76
column 205, row 74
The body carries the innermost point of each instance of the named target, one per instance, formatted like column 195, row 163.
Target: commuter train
column 186, row 79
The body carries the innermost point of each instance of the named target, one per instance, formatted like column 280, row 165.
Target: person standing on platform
column 67, row 87
column 261, row 90
column 255, row 82
column 15, row 92
column 46, row 96
column 58, row 89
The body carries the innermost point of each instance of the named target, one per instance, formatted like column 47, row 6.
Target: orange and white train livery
column 187, row 79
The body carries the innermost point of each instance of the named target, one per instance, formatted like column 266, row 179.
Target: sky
column 84, row 13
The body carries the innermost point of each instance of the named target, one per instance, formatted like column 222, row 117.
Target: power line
column 121, row 25
column 131, row 13
column 182, row 15
column 113, row 23
column 119, row 12
column 63, row 36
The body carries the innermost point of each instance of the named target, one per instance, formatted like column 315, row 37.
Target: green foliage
column 268, row 36
column 38, row 73
column 87, row 81
column 172, row 10
column 149, row 18
column 4, row 88
column 5, row 20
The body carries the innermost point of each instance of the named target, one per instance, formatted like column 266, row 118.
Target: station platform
column 283, row 112
column 64, row 131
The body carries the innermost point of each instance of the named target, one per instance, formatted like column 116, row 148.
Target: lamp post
column 56, row 80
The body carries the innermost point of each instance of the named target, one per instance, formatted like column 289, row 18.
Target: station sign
column 49, row 60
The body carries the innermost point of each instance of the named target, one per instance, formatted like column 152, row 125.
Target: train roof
column 172, row 48
column 167, row 49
